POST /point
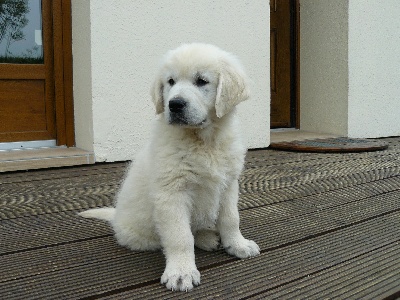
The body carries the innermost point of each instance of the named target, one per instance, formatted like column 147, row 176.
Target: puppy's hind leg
column 208, row 240
column 134, row 231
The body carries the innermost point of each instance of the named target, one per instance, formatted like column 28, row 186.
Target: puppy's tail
column 105, row 213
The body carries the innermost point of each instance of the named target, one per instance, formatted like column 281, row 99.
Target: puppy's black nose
column 177, row 105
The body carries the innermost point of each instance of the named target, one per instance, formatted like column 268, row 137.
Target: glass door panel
column 21, row 32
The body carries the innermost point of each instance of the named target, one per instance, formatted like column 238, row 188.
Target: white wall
column 374, row 68
column 126, row 40
column 350, row 60
column 323, row 66
column 82, row 74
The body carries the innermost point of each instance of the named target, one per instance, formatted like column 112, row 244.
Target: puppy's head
column 197, row 84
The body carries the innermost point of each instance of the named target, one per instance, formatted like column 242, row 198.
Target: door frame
column 63, row 85
column 295, row 40
column 295, row 63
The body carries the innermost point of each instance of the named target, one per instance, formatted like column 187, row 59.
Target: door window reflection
column 21, row 32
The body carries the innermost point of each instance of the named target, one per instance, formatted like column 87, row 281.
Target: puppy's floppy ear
column 232, row 87
column 157, row 95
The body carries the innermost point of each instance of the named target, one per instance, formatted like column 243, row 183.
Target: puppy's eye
column 201, row 81
column 171, row 82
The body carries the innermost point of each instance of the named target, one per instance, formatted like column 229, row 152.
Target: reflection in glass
column 21, row 31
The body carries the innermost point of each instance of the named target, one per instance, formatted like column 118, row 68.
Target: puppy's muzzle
column 177, row 105
column 177, row 111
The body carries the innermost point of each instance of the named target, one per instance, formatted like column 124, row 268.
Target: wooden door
column 36, row 71
column 280, row 41
column 26, row 75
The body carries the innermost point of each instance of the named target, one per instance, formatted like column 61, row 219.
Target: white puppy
column 182, row 189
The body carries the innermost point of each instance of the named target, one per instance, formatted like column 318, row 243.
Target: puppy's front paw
column 180, row 278
column 242, row 248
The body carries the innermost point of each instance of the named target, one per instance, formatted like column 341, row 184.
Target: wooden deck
column 328, row 226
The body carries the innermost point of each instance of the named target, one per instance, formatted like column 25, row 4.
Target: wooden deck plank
column 263, row 194
column 273, row 269
column 17, row 199
column 358, row 278
column 297, row 218
column 23, row 234
column 70, row 172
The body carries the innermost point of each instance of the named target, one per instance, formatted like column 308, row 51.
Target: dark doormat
column 338, row 145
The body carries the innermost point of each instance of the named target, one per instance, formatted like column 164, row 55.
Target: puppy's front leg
column 228, row 225
column 172, row 217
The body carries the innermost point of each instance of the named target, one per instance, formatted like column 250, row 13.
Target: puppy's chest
column 212, row 166
column 210, row 175
column 188, row 167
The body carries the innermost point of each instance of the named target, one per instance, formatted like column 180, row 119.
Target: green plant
column 21, row 60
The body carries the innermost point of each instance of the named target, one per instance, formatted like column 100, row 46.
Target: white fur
column 182, row 189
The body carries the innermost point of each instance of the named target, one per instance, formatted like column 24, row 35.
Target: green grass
column 20, row 60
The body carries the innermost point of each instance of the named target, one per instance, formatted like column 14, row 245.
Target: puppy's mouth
column 181, row 120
